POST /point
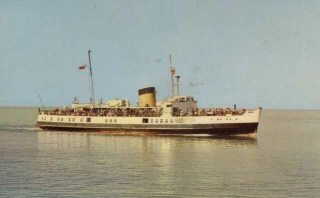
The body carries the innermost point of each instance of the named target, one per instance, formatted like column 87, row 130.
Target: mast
column 178, row 91
column 172, row 72
column 41, row 101
column 92, row 90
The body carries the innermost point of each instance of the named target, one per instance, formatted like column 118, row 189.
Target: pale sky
column 249, row 52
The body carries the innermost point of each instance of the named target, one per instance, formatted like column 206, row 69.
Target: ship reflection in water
column 128, row 165
column 140, row 140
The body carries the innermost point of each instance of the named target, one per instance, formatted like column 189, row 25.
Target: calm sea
column 283, row 161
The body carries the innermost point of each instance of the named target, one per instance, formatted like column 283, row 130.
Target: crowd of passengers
column 124, row 112
column 217, row 112
column 141, row 112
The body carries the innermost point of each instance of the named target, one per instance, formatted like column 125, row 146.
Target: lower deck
column 223, row 129
column 228, row 124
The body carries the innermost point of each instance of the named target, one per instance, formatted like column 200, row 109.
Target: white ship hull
column 222, row 125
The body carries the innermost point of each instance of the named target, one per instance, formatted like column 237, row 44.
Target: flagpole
column 92, row 90
column 172, row 72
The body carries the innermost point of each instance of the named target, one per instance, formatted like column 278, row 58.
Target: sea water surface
column 283, row 161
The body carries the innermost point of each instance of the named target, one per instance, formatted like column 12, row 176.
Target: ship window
column 73, row 119
column 151, row 120
column 161, row 120
column 157, row 121
column 115, row 120
column 69, row 119
column 106, row 120
column 166, row 120
column 81, row 120
column 61, row 119
column 171, row 121
column 110, row 120
column 45, row 118
column 51, row 119
column 88, row 119
column 144, row 120
column 169, row 105
column 58, row 119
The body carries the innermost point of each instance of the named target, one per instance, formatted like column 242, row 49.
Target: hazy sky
column 252, row 53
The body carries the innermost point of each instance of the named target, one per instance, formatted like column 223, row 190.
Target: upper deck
column 178, row 106
column 141, row 112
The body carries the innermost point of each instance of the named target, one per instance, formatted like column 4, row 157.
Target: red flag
column 82, row 67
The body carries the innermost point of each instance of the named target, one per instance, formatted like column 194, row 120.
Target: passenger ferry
column 176, row 114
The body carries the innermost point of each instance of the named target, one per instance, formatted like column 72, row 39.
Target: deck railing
column 141, row 112
column 119, row 112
